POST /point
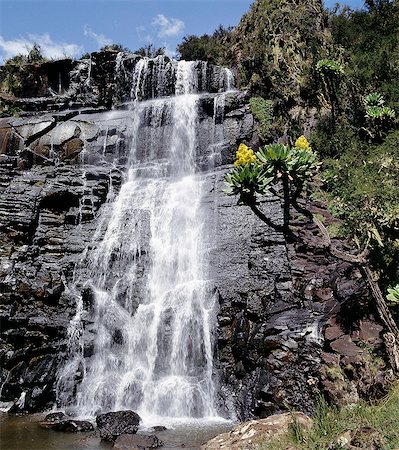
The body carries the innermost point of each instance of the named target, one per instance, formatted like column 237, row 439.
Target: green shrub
column 262, row 110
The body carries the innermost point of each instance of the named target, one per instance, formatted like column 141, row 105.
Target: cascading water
column 147, row 340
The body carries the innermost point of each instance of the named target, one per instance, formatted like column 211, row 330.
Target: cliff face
column 285, row 322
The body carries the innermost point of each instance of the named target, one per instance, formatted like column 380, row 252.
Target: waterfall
column 143, row 339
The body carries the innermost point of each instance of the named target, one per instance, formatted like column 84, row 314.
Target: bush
column 262, row 110
column 364, row 191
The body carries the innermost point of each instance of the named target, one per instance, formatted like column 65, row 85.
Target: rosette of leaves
column 329, row 67
column 276, row 157
column 373, row 99
column 254, row 175
column 380, row 113
column 299, row 163
column 393, row 296
column 302, row 164
column 247, row 181
column 380, row 117
column 376, row 109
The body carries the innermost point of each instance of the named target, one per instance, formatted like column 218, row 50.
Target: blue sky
column 76, row 26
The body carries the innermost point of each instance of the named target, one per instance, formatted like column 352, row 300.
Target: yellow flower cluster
column 302, row 143
column 244, row 155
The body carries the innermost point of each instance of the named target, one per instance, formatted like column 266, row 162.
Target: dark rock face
column 49, row 209
column 104, row 79
column 113, row 424
column 280, row 303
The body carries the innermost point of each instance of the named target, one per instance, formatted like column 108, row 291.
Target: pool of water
column 25, row 433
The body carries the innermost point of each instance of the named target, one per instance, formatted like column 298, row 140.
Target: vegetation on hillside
column 364, row 425
column 18, row 70
column 211, row 48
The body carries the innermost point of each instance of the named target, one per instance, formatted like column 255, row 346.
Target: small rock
column 70, row 426
column 55, row 417
column 159, row 428
column 137, row 442
column 345, row 346
column 332, row 333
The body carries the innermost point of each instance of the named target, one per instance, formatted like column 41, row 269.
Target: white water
column 153, row 313
column 162, row 76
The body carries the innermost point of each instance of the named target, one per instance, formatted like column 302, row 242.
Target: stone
column 136, row 442
column 55, row 417
column 345, row 346
column 159, row 428
column 370, row 331
column 257, row 432
column 68, row 426
column 113, row 424
column 368, row 438
column 332, row 333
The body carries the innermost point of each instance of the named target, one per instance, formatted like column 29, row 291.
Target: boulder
column 257, row 432
column 113, row 424
column 137, row 442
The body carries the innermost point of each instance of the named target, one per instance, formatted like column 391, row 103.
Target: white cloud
column 168, row 51
column 142, row 36
column 168, row 27
column 50, row 48
column 101, row 40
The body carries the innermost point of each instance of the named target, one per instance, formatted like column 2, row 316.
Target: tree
column 114, row 48
column 255, row 174
column 380, row 118
column 150, row 51
column 34, row 56
column 207, row 47
column 331, row 73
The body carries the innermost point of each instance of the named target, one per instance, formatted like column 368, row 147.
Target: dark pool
column 24, row 433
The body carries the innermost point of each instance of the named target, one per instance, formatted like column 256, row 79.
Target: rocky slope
column 292, row 319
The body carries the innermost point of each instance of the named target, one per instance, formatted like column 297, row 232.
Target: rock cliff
column 292, row 320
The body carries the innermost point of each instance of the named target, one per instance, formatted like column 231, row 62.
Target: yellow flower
column 302, row 143
column 244, row 155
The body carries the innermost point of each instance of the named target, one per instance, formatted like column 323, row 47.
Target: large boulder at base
column 256, row 432
column 113, row 424
column 137, row 442
column 71, row 426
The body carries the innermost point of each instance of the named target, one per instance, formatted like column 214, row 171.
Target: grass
column 378, row 421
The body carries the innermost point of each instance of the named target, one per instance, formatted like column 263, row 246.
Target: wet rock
column 137, row 442
column 55, row 417
column 159, row 428
column 113, row 424
column 70, row 426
